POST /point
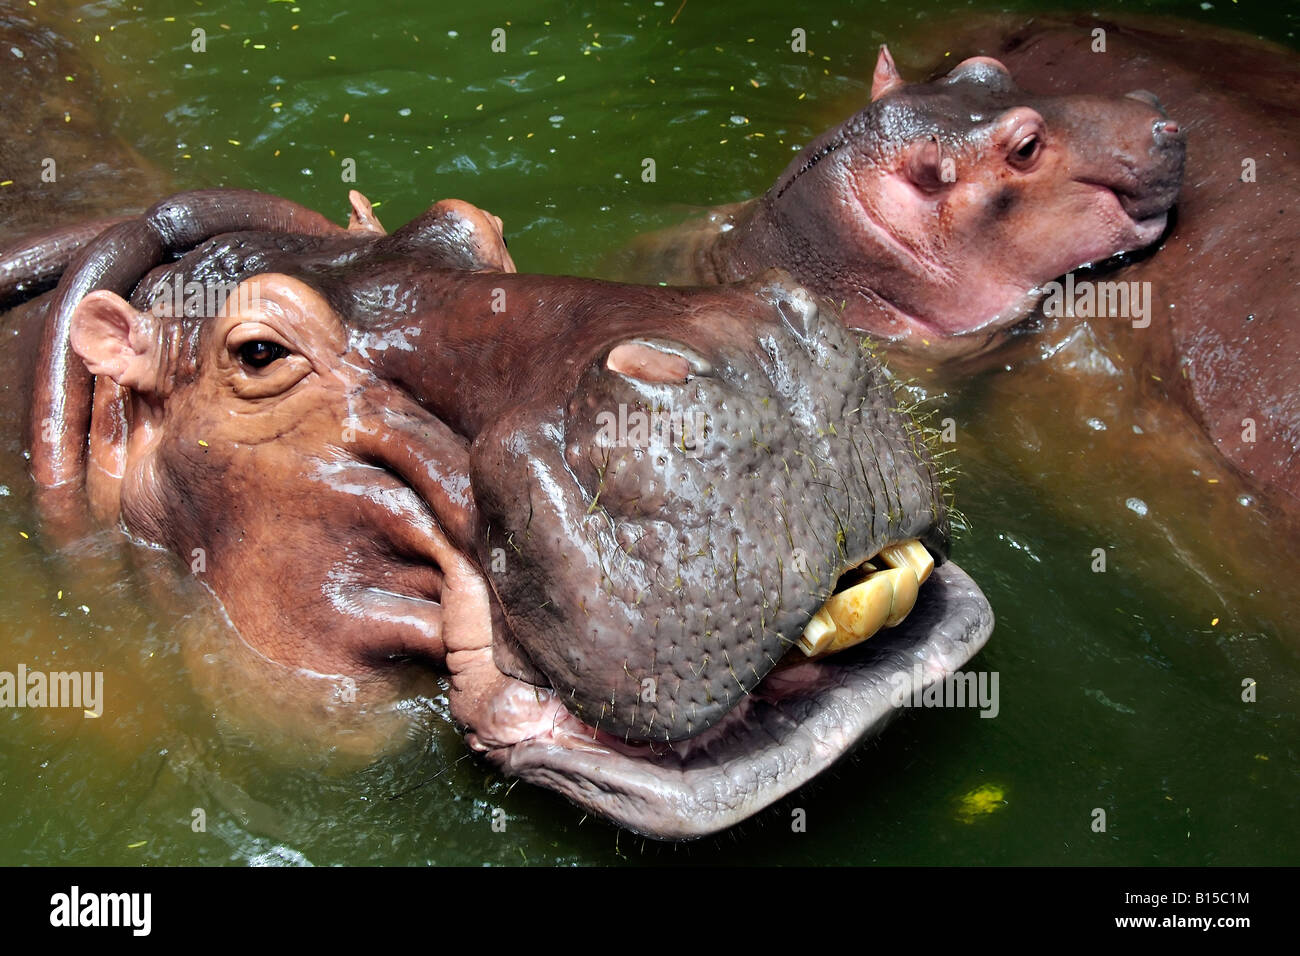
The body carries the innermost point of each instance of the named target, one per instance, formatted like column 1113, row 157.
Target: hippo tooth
column 819, row 633
column 855, row 614
column 909, row 554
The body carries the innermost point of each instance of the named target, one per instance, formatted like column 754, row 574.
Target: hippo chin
column 934, row 214
column 608, row 513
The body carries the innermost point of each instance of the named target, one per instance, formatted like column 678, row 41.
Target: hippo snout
column 669, row 533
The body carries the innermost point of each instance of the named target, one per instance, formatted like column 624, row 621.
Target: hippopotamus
column 1222, row 339
column 932, row 216
column 669, row 546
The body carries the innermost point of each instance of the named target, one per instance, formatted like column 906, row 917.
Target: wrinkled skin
column 935, row 212
column 1224, row 340
column 381, row 471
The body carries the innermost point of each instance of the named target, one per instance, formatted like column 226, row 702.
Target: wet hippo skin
column 382, row 471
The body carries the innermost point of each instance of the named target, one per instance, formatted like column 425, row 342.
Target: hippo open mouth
column 802, row 717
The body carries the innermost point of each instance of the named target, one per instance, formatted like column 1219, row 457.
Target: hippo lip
column 799, row 720
column 1149, row 213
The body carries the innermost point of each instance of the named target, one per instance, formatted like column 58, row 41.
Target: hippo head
column 628, row 522
column 936, row 212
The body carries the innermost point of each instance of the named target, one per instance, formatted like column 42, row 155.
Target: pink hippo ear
column 115, row 340
column 363, row 218
column 886, row 79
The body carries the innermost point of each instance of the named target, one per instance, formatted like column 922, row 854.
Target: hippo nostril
column 655, row 362
column 1167, row 133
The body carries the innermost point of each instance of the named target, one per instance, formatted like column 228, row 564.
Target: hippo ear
column 456, row 235
column 363, row 218
column 489, row 236
column 886, row 79
column 114, row 339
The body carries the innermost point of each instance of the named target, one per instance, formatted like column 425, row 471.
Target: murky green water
column 1119, row 691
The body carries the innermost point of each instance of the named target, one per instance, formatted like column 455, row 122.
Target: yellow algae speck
column 980, row 802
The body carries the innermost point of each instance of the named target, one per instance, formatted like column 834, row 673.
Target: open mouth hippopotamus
column 934, row 214
column 646, row 532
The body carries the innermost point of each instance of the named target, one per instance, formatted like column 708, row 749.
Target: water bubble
column 1096, row 424
column 1137, row 506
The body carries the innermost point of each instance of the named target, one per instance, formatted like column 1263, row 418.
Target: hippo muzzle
column 660, row 538
column 668, row 532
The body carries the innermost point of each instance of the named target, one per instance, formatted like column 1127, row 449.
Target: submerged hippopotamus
column 1223, row 339
column 608, row 512
column 932, row 215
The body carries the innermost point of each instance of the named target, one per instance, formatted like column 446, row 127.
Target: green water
column 1119, row 691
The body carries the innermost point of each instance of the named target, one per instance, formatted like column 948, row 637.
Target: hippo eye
column 1027, row 150
column 260, row 353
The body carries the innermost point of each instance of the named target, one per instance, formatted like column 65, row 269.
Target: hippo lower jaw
column 799, row 720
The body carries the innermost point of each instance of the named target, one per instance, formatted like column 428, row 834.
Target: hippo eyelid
column 1028, row 147
column 244, row 332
